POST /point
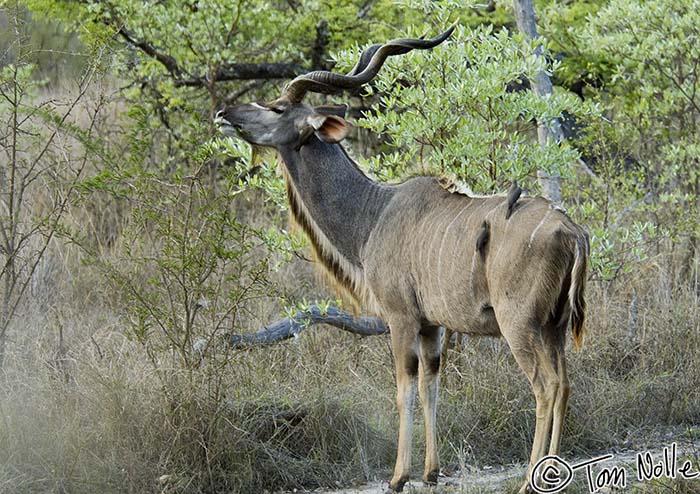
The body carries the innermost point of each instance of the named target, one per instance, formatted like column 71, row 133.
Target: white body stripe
column 537, row 228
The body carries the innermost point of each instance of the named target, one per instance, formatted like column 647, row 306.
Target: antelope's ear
column 329, row 128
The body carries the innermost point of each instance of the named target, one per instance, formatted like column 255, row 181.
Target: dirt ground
column 500, row 480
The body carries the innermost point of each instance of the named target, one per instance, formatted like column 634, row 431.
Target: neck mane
column 337, row 206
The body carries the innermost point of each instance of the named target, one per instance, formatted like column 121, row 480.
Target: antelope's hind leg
column 538, row 352
column 559, row 359
column 428, row 379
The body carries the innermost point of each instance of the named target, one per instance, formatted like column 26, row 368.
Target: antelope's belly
column 459, row 309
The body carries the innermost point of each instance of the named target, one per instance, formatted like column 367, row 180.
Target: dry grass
column 95, row 416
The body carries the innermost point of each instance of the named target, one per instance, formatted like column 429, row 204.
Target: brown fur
column 526, row 278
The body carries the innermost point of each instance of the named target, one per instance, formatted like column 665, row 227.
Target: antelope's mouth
column 227, row 127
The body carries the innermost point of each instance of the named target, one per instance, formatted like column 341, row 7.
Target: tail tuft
column 577, row 290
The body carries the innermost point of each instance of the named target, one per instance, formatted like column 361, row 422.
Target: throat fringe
column 342, row 275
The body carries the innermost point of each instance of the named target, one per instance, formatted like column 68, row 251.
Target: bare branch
column 245, row 72
column 290, row 327
column 150, row 49
column 225, row 72
column 250, row 86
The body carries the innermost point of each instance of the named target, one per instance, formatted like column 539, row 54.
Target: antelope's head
column 288, row 122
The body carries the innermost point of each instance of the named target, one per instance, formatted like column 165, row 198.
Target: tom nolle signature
column 553, row 474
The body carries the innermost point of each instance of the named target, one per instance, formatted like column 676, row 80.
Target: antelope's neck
column 336, row 205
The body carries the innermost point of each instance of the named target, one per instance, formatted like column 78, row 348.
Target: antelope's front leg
column 404, row 342
column 428, row 377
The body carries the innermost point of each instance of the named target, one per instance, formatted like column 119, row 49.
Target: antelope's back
column 465, row 256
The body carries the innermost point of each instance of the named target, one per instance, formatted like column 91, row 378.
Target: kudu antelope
column 421, row 257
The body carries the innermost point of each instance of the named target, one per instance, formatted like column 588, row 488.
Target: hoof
column 431, row 478
column 397, row 485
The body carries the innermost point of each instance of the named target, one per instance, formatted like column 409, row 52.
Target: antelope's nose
column 220, row 114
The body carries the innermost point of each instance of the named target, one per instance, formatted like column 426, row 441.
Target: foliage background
column 134, row 239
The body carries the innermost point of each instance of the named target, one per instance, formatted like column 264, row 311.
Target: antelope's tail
column 577, row 289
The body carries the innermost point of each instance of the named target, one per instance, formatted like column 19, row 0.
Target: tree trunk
column 542, row 85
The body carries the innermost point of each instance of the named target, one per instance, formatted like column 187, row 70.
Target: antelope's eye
column 276, row 109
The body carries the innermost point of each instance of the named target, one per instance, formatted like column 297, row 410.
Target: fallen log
column 290, row 327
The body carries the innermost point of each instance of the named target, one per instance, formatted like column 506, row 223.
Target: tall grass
column 92, row 416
